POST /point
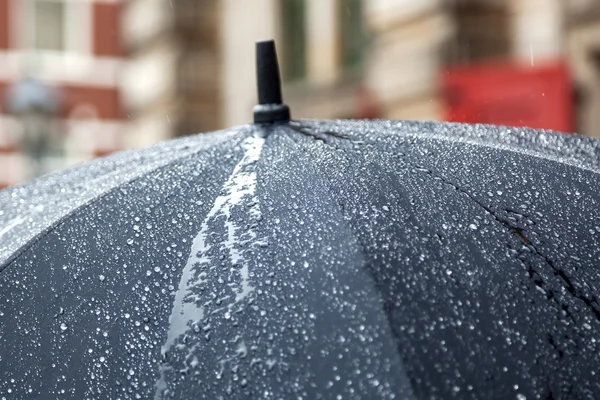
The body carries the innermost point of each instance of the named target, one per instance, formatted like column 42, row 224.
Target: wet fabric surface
column 311, row 260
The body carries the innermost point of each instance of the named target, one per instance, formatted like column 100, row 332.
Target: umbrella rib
column 26, row 246
column 537, row 153
column 566, row 281
column 366, row 265
column 588, row 163
column 504, row 147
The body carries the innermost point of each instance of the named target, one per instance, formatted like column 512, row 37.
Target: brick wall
column 92, row 115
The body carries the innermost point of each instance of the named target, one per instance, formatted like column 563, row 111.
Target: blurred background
column 83, row 78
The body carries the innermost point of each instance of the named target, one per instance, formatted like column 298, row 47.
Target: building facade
column 59, row 84
column 191, row 64
column 339, row 58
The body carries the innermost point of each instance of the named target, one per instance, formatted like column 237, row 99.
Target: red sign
column 510, row 94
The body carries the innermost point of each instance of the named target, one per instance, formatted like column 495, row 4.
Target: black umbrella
column 287, row 259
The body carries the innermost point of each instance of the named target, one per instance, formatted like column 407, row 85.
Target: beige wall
column 239, row 72
column 584, row 57
column 537, row 29
column 405, row 58
column 323, row 41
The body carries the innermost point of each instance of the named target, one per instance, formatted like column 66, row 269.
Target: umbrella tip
column 270, row 106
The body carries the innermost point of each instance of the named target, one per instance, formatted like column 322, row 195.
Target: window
column 293, row 30
column 49, row 25
column 482, row 31
column 351, row 34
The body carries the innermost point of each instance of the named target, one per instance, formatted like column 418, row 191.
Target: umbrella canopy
column 288, row 259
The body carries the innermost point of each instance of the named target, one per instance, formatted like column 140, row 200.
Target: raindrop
column 101, row 277
column 63, row 327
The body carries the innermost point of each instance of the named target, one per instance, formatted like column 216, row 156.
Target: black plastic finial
column 270, row 107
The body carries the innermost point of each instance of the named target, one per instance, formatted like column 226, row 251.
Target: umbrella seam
column 507, row 147
column 504, row 147
column 30, row 243
column 368, row 267
column 566, row 281
column 115, row 161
